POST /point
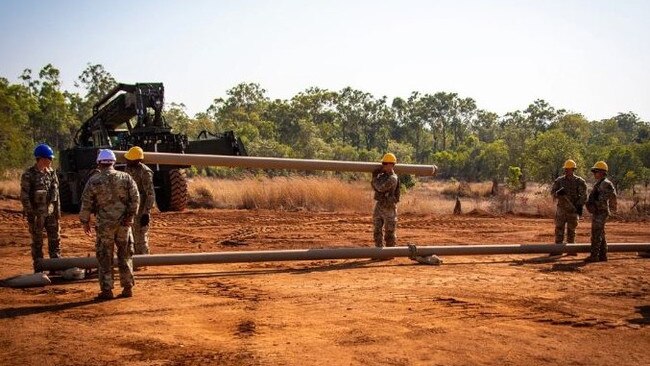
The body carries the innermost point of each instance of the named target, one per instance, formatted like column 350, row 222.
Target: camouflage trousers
column 50, row 224
column 140, row 236
column 384, row 219
column 598, row 240
column 568, row 219
column 110, row 236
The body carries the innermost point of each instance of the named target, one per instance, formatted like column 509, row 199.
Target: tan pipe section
column 276, row 163
column 54, row 264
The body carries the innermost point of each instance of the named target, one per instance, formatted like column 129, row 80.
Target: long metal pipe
column 336, row 253
column 277, row 163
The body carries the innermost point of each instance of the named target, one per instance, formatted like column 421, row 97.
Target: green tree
column 16, row 105
column 411, row 120
column 625, row 167
column 493, row 160
column 547, row 153
column 540, row 115
column 97, row 82
column 243, row 111
column 53, row 121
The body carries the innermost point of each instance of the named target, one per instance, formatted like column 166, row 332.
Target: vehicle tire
column 178, row 186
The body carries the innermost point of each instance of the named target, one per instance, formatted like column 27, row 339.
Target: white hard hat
column 106, row 156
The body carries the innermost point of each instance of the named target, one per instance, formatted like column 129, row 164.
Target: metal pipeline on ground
column 338, row 253
column 277, row 163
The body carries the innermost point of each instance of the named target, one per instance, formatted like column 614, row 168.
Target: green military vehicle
column 131, row 115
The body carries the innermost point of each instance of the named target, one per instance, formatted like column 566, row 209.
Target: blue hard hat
column 44, row 151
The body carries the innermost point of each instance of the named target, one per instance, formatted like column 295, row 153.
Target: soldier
column 601, row 203
column 113, row 196
column 143, row 177
column 570, row 191
column 386, row 186
column 39, row 194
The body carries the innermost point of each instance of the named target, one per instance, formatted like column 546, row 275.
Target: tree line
column 443, row 128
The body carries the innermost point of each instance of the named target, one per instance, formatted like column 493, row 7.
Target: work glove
column 144, row 220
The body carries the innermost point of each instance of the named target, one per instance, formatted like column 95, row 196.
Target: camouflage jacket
column 39, row 192
column 575, row 192
column 143, row 177
column 602, row 198
column 112, row 195
column 385, row 186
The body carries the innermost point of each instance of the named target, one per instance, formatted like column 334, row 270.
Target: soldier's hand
column 144, row 220
column 87, row 228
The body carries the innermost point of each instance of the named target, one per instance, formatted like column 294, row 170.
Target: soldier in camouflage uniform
column 143, row 177
column 113, row 196
column 39, row 194
column 601, row 203
column 386, row 186
column 570, row 191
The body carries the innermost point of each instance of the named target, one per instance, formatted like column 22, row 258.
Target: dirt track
column 470, row 311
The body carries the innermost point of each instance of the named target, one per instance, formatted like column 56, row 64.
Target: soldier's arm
column 56, row 198
column 133, row 198
column 610, row 195
column 556, row 187
column 149, row 192
column 582, row 192
column 384, row 183
column 24, row 193
column 87, row 203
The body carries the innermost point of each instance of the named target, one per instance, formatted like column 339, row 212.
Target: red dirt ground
column 486, row 310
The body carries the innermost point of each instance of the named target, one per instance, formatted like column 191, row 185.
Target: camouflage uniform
column 601, row 202
column 143, row 177
column 569, row 206
column 384, row 216
column 39, row 194
column 112, row 196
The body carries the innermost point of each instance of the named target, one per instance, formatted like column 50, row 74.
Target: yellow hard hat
column 570, row 164
column 389, row 158
column 600, row 165
column 134, row 153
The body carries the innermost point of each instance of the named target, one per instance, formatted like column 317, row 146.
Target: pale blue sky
column 591, row 57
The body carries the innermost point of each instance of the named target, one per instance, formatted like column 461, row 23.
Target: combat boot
column 104, row 295
column 591, row 259
column 127, row 292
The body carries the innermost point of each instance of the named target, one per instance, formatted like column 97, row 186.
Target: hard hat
column 389, row 158
column 600, row 165
column 44, row 151
column 134, row 153
column 570, row 164
column 106, row 156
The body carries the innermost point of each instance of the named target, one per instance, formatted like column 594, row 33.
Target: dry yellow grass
column 296, row 193
column 332, row 194
column 10, row 188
